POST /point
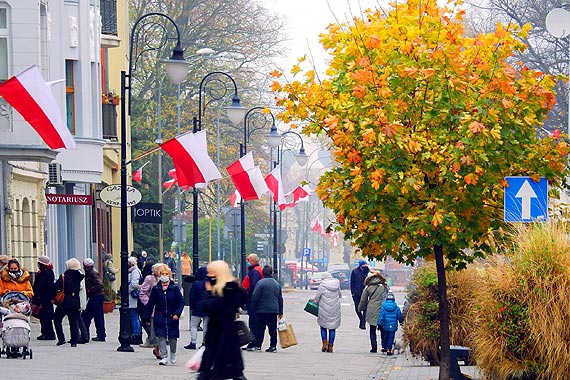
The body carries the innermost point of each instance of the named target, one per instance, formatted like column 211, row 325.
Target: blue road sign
column 526, row 200
column 307, row 252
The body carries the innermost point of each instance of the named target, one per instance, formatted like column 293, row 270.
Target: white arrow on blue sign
column 526, row 200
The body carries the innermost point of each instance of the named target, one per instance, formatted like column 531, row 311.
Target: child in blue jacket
column 390, row 315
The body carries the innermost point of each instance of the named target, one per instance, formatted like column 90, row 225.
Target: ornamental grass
column 421, row 326
column 523, row 306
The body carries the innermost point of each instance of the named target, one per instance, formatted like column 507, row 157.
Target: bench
column 458, row 353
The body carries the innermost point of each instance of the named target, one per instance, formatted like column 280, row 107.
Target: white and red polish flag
column 31, row 96
column 247, row 178
column 189, row 154
column 275, row 185
column 168, row 184
column 317, row 226
column 301, row 193
column 235, row 199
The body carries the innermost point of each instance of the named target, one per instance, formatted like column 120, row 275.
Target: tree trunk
column 445, row 355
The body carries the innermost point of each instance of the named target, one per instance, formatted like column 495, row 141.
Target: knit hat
column 73, row 264
column 44, row 260
column 390, row 296
column 4, row 259
column 362, row 262
column 133, row 260
column 88, row 262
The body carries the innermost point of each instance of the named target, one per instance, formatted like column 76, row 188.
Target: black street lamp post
column 177, row 68
column 235, row 114
column 275, row 140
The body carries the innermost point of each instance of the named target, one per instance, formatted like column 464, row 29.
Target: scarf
column 16, row 275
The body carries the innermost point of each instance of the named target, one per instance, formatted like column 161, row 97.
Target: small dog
column 398, row 346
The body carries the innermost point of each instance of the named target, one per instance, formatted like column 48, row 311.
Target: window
column 70, row 95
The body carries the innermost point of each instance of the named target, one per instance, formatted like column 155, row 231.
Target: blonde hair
column 253, row 257
column 156, row 268
column 165, row 268
column 223, row 276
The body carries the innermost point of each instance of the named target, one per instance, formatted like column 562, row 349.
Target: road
column 350, row 361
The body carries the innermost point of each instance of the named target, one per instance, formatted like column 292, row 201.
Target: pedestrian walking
column 328, row 298
column 70, row 283
column 149, row 282
column 197, row 297
column 371, row 300
column 222, row 356
column 44, row 290
column 95, row 297
column 134, row 288
column 186, row 272
column 168, row 260
column 268, row 305
column 254, row 274
column 357, row 277
column 166, row 303
column 390, row 315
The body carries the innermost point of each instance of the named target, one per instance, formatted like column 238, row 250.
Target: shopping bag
column 287, row 337
column 312, row 307
column 196, row 360
column 282, row 324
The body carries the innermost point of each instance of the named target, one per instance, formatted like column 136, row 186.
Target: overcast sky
column 306, row 19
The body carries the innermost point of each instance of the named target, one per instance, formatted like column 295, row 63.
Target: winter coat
column 328, row 297
column 134, row 278
column 372, row 297
column 109, row 269
column 93, row 283
column 70, row 282
column 198, row 293
column 254, row 274
column 165, row 304
column 21, row 284
column 390, row 315
column 149, row 282
column 222, row 358
column 44, row 291
column 267, row 297
column 357, row 277
column 185, row 266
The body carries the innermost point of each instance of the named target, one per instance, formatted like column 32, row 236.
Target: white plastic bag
column 282, row 324
column 196, row 359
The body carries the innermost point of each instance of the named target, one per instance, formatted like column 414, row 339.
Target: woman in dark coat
column 44, row 290
column 167, row 303
column 70, row 282
column 222, row 356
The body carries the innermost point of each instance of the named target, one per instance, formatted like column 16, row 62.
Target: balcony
column 110, row 122
column 109, row 33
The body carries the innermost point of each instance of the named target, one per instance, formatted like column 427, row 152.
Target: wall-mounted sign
column 111, row 195
column 69, row 199
column 147, row 213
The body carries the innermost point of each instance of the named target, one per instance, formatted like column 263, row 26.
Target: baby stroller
column 15, row 309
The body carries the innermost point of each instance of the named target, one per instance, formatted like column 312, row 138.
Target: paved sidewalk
column 350, row 361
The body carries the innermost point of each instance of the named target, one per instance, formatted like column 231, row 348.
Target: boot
column 374, row 348
column 325, row 345
column 330, row 347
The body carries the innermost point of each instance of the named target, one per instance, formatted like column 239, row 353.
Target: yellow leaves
column 428, row 73
column 530, row 120
column 331, row 121
column 476, row 127
column 373, row 41
column 496, row 133
column 369, row 136
column 414, row 147
column 359, row 91
column 377, row 178
column 390, row 129
column 276, row 86
column 562, row 148
column 507, row 103
column 275, row 74
column 437, row 219
column 295, row 69
column 471, row 179
column 357, row 182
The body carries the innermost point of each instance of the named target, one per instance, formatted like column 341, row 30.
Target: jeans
column 135, row 323
column 263, row 320
column 94, row 310
column 194, row 322
column 331, row 333
column 388, row 340
column 162, row 346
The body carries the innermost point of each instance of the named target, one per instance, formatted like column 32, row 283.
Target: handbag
column 60, row 295
column 135, row 293
column 244, row 335
column 196, row 360
column 36, row 310
column 312, row 307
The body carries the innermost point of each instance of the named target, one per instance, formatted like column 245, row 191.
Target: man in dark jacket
column 196, row 297
column 254, row 274
column 95, row 298
column 357, row 278
column 267, row 302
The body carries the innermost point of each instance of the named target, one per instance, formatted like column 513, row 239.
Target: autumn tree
column 425, row 123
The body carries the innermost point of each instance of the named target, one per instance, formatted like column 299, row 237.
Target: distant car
column 343, row 277
column 315, row 280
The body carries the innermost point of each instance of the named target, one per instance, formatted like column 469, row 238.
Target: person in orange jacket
column 14, row 278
